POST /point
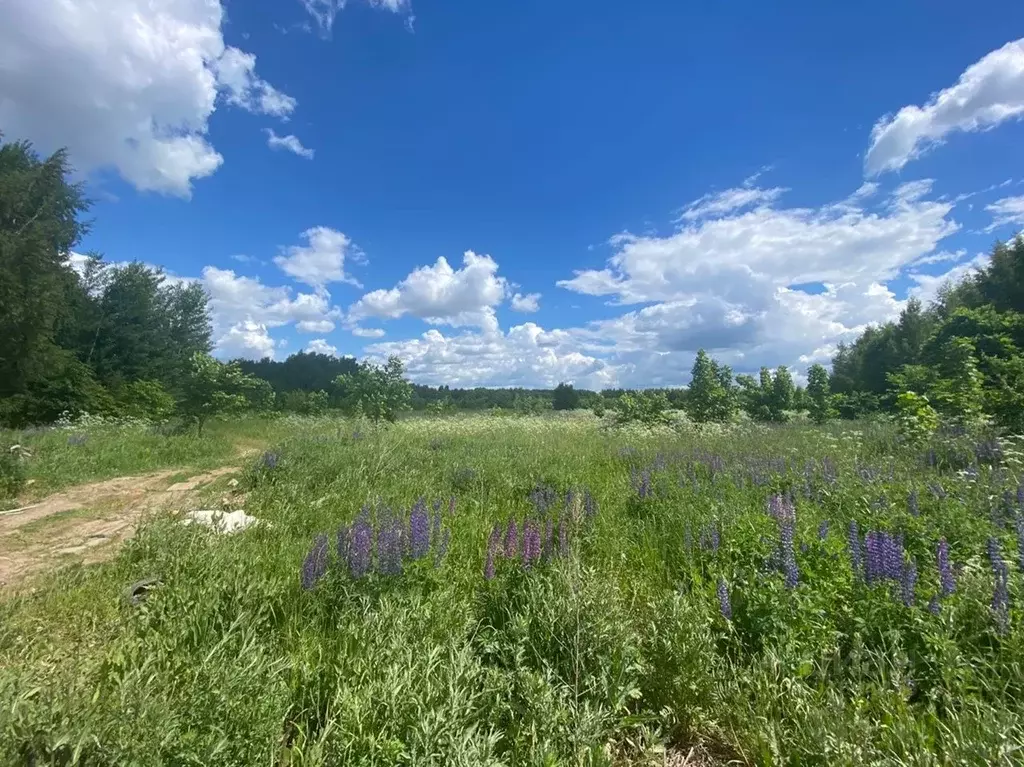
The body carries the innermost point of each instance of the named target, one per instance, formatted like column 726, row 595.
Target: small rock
column 221, row 521
column 233, row 482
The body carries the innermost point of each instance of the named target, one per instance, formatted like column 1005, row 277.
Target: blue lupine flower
column 543, row 497
column 853, row 544
column 589, row 505
column 909, row 582
column 511, row 539
column 912, row 505
column 641, row 482
column 947, row 580
column 724, row 605
column 531, row 543
column 390, row 542
column 419, row 530
column 933, row 606
column 787, row 554
column 1000, row 592
column 823, row 530
column 269, row 460
column 314, row 566
column 360, row 545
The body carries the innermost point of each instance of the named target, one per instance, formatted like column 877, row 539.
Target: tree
column 565, row 397
column 39, row 226
column 648, row 408
column 214, row 388
column 147, row 400
column 709, row 399
column 377, row 392
column 818, row 395
column 781, row 398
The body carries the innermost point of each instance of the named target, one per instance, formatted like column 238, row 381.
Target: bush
column 645, row 408
column 12, row 472
column 145, row 400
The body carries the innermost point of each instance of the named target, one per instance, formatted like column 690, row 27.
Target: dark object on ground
column 139, row 590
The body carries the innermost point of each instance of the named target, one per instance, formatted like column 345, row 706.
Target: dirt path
column 84, row 522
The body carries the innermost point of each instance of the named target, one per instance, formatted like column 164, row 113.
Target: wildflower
column 493, row 549
column 912, row 505
column 531, row 543
column 909, row 582
column 641, row 482
column 947, row 581
column 1018, row 523
column 360, row 545
column 723, row 599
column 269, row 460
column 823, row 530
column 511, row 539
column 1000, row 593
column 390, row 543
column 543, row 497
column 854, row 545
column 787, row 555
column 589, row 505
column 419, row 530
column 780, row 507
column 933, row 606
column 873, row 556
column 314, row 566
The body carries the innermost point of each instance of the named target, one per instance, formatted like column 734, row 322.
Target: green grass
column 605, row 656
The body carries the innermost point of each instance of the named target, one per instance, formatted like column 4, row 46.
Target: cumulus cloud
column 441, row 295
column 290, row 143
column 367, row 332
column 527, row 355
column 128, row 85
column 320, row 346
column 248, row 340
column 526, row 303
column 325, row 11
column 989, row 92
column 240, row 306
column 320, row 262
column 1008, row 211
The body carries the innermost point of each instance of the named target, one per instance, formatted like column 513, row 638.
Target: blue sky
column 611, row 185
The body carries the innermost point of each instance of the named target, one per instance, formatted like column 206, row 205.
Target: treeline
column 964, row 353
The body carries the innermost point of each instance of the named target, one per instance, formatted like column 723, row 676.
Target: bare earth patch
column 84, row 522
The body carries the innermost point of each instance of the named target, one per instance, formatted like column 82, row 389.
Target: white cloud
column 526, row 303
column 926, row 286
column 525, row 356
column 291, row 143
column 248, row 339
column 367, row 332
column 128, row 85
column 989, row 92
column 314, row 326
column 321, row 261
column 325, row 11
column 237, row 301
column 730, row 200
column 1008, row 211
column 441, row 295
column 320, row 346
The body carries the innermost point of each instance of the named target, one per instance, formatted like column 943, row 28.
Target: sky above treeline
column 518, row 194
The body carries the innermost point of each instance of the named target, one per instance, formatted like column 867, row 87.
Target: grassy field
column 576, row 595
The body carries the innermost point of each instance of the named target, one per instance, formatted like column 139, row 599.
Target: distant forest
column 122, row 340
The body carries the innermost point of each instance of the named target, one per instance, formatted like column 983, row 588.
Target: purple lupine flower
column 1018, row 523
column 543, row 497
column 823, row 530
column 787, row 554
column 893, row 556
column 710, row 537
column 909, row 582
column 912, row 504
column 853, row 544
column 933, row 606
column 531, row 543
column 269, row 460
column 724, row 605
column 947, row 580
column 493, row 550
column 360, row 545
column 511, row 539
column 641, row 482
column 390, row 543
column 419, row 530
column 589, row 505
column 874, row 556
column 1000, row 592
column 314, row 566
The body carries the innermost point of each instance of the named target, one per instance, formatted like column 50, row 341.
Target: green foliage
column 915, row 417
column 64, row 386
column 780, row 400
column 565, row 397
column 213, row 388
column 819, row 397
column 711, row 396
column 12, row 471
column 646, row 408
column 958, row 390
column 377, row 392
column 146, row 400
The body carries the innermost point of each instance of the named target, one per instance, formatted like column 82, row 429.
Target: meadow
column 535, row 591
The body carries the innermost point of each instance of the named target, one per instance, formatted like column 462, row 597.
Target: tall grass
column 607, row 655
